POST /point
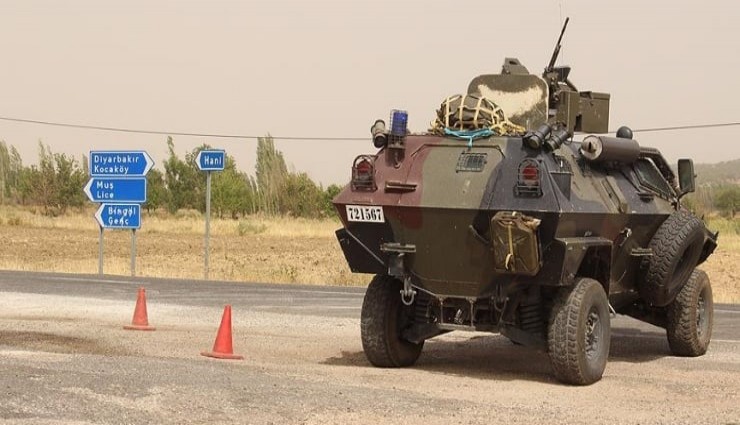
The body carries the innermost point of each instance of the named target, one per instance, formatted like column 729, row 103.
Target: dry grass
column 258, row 249
column 723, row 266
column 184, row 222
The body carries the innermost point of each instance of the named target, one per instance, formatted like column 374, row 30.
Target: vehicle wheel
column 677, row 246
column 579, row 333
column 690, row 317
column 383, row 319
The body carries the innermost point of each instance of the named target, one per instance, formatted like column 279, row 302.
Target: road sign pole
column 208, row 220
column 208, row 161
column 118, row 183
column 133, row 252
column 100, row 252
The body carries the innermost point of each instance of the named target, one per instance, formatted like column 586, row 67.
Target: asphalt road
column 64, row 359
column 322, row 301
column 295, row 299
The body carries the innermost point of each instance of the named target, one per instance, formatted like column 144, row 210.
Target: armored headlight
column 380, row 138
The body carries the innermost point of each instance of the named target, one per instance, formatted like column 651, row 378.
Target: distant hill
column 722, row 172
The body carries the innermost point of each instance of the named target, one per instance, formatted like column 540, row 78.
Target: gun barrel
column 556, row 52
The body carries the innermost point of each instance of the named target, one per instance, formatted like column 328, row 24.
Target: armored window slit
column 651, row 179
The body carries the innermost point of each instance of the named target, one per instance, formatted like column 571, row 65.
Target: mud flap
column 360, row 258
column 516, row 249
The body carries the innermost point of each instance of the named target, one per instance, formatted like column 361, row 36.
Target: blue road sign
column 211, row 160
column 119, row 216
column 116, row 190
column 120, row 163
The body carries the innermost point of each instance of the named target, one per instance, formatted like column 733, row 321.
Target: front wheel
column 384, row 317
column 690, row 317
column 579, row 333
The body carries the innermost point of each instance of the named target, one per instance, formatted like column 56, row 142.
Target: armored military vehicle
column 498, row 220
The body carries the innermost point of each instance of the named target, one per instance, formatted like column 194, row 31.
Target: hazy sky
column 330, row 68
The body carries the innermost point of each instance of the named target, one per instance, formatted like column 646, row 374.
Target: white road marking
column 78, row 279
column 308, row 307
column 307, row 291
column 726, row 341
column 287, row 287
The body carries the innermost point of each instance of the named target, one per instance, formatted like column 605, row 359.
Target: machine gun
column 557, row 77
column 579, row 111
column 558, row 45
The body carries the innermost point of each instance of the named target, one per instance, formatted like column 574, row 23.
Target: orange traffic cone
column 222, row 348
column 140, row 321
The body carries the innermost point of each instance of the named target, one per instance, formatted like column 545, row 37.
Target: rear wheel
column 690, row 317
column 384, row 317
column 579, row 333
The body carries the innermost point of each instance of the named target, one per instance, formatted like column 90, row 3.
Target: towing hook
column 407, row 298
column 408, row 294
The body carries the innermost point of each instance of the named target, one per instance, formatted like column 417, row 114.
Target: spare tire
column 677, row 247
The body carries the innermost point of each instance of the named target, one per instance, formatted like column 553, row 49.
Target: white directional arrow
column 99, row 215
column 149, row 163
column 87, row 190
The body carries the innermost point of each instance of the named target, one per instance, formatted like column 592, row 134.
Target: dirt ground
column 66, row 360
column 724, row 272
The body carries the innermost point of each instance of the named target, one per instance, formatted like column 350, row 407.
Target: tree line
column 55, row 184
column 721, row 197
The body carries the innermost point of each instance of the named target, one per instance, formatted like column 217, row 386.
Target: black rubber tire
column 383, row 318
column 676, row 246
column 691, row 316
column 578, row 356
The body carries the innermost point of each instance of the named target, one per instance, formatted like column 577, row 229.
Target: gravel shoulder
column 67, row 360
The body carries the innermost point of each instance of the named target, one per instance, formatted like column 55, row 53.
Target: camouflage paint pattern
column 589, row 211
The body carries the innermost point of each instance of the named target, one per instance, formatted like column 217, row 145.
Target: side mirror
column 686, row 177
